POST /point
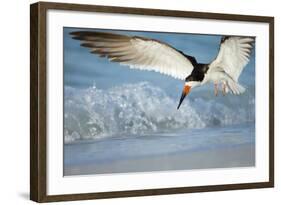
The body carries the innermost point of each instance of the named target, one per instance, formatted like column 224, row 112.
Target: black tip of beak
column 186, row 90
column 182, row 98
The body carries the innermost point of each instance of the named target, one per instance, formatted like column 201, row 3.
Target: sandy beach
column 237, row 156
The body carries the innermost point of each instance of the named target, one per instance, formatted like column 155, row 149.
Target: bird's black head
column 189, row 78
column 191, row 81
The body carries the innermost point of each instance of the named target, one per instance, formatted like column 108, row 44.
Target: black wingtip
column 72, row 33
column 75, row 33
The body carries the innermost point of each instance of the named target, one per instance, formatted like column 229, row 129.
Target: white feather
column 233, row 56
column 138, row 53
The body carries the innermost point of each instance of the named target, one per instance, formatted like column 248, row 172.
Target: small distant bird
column 153, row 55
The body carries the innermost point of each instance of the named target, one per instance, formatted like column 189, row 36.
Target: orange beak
column 186, row 90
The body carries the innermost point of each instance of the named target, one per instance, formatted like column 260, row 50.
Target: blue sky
column 83, row 69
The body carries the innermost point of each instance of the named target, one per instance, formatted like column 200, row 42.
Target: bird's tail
column 236, row 88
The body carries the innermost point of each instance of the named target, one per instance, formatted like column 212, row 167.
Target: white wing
column 233, row 55
column 137, row 52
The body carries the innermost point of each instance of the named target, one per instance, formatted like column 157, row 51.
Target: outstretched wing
column 233, row 56
column 138, row 52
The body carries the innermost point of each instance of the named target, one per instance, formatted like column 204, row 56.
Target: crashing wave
column 142, row 108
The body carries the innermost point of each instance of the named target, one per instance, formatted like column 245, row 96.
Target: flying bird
column 153, row 55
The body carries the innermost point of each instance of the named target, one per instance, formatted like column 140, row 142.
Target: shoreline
column 228, row 157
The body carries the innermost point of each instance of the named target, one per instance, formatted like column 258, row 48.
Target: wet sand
column 234, row 156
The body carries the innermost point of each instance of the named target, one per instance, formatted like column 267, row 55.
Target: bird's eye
column 188, row 78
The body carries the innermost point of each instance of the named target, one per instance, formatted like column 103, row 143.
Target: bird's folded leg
column 216, row 89
column 224, row 89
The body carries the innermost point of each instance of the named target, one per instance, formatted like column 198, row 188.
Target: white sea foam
column 142, row 108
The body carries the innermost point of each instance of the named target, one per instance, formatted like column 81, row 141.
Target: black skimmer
column 153, row 55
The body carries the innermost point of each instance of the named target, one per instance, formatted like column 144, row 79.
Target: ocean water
column 126, row 147
column 219, row 147
column 142, row 108
column 109, row 131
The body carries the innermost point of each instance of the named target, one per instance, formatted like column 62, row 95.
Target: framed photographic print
column 134, row 102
